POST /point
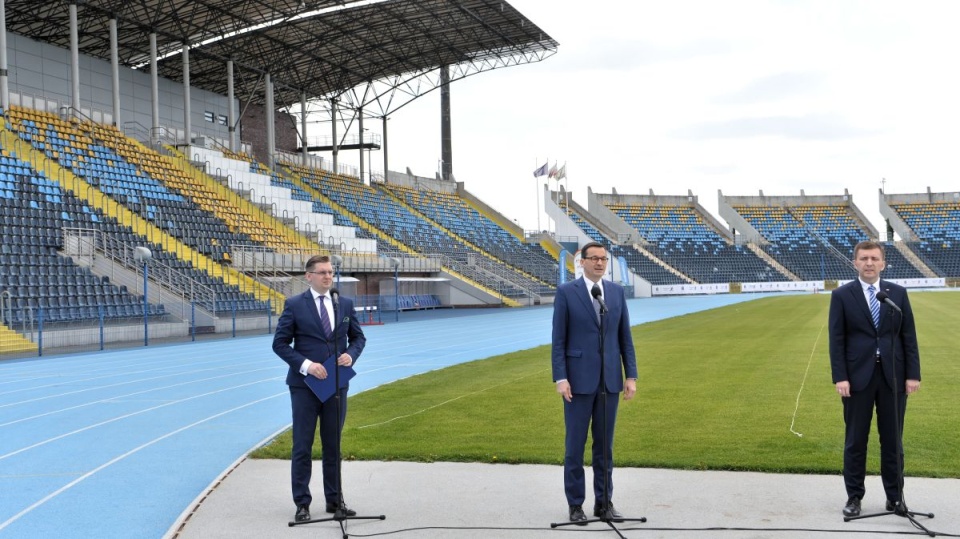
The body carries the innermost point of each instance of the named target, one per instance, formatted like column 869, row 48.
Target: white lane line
column 132, row 414
column 117, row 459
column 115, row 397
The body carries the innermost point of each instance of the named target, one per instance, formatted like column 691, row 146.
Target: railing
column 90, row 243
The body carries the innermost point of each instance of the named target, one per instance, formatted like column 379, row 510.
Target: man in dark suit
column 873, row 353
column 576, row 371
column 318, row 327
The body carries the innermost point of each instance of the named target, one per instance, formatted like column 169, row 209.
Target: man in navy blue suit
column 873, row 353
column 318, row 327
column 576, row 372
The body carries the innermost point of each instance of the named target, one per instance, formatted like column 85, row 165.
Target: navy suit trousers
column 307, row 410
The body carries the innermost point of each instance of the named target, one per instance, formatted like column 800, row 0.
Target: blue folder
column 324, row 389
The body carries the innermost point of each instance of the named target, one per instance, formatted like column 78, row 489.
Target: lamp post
column 337, row 261
column 143, row 255
column 395, row 262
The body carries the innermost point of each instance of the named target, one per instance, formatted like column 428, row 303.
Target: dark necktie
column 325, row 318
column 596, row 293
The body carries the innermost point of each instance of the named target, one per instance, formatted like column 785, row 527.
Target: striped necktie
column 325, row 318
column 874, row 306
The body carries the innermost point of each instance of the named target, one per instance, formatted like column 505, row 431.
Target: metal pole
column 146, row 309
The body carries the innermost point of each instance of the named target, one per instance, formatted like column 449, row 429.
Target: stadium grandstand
column 157, row 180
column 138, row 201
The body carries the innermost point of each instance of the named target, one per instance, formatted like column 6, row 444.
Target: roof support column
column 384, row 149
column 231, row 112
column 303, row 128
column 333, row 125
column 115, row 71
column 4, row 73
column 154, row 93
column 74, row 61
column 446, row 142
column 360, row 125
column 186, row 94
column 271, row 128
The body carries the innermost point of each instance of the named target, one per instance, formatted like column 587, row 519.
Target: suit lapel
column 580, row 289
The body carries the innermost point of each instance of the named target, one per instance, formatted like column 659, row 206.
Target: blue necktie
column 874, row 305
column 325, row 318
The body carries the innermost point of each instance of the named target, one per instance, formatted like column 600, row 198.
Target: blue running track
column 121, row 443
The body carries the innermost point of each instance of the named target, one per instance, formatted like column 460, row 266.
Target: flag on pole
column 553, row 171
column 542, row 171
column 562, row 173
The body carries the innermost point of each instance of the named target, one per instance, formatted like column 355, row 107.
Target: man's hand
column 629, row 389
column 563, row 388
column 843, row 388
column 913, row 386
column 344, row 360
column 317, row 370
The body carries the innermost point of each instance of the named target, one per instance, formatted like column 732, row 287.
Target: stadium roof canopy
column 320, row 48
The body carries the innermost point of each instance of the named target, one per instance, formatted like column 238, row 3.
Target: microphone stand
column 607, row 516
column 900, row 509
column 340, row 515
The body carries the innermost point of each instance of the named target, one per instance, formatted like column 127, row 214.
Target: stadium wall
column 40, row 70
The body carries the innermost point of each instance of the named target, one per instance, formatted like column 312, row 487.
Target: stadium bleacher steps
column 771, row 261
column 12, row 342
column 385, row 237
column 140, row 226
column 288, row 238
column 346, row 213
column 553, row 248
column 663, row 264
column 399, row 200
column 914, row 259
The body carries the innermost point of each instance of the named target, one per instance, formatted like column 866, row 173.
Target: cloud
column 616, row 54
column 809, row 127
column 774, row 88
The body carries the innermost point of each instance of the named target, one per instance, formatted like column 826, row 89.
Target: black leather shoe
column 896, row 507
column 332, row 508
column 609, row 512
column 852, row 509
column 576, row 515
column 303, row 513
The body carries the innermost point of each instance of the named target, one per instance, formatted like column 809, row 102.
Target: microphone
column 882, row 296
column 598, row 295
column 335, row 296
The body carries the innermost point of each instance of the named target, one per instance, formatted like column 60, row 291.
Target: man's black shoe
column 852, row 509
column 896, row 507
column 332, row 508
column 609, row 511
column 576, row 515
column 303, row 513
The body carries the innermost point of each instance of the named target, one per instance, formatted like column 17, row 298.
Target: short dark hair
column 316, row 259
column 869, row 245
column 583, row 250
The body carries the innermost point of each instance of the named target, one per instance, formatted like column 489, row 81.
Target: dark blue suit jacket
column 300, row 324
column 854, row 340
column 576, row 338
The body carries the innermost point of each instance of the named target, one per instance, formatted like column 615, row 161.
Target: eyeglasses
column 596, row 259
column 321, row 272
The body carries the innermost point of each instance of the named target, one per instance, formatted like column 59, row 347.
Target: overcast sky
column 706, row 95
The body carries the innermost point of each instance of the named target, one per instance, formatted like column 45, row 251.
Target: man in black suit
column 873, row 353
column 318, row 327
column 576, row 365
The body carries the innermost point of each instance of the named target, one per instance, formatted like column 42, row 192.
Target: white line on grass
column 804, row 382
